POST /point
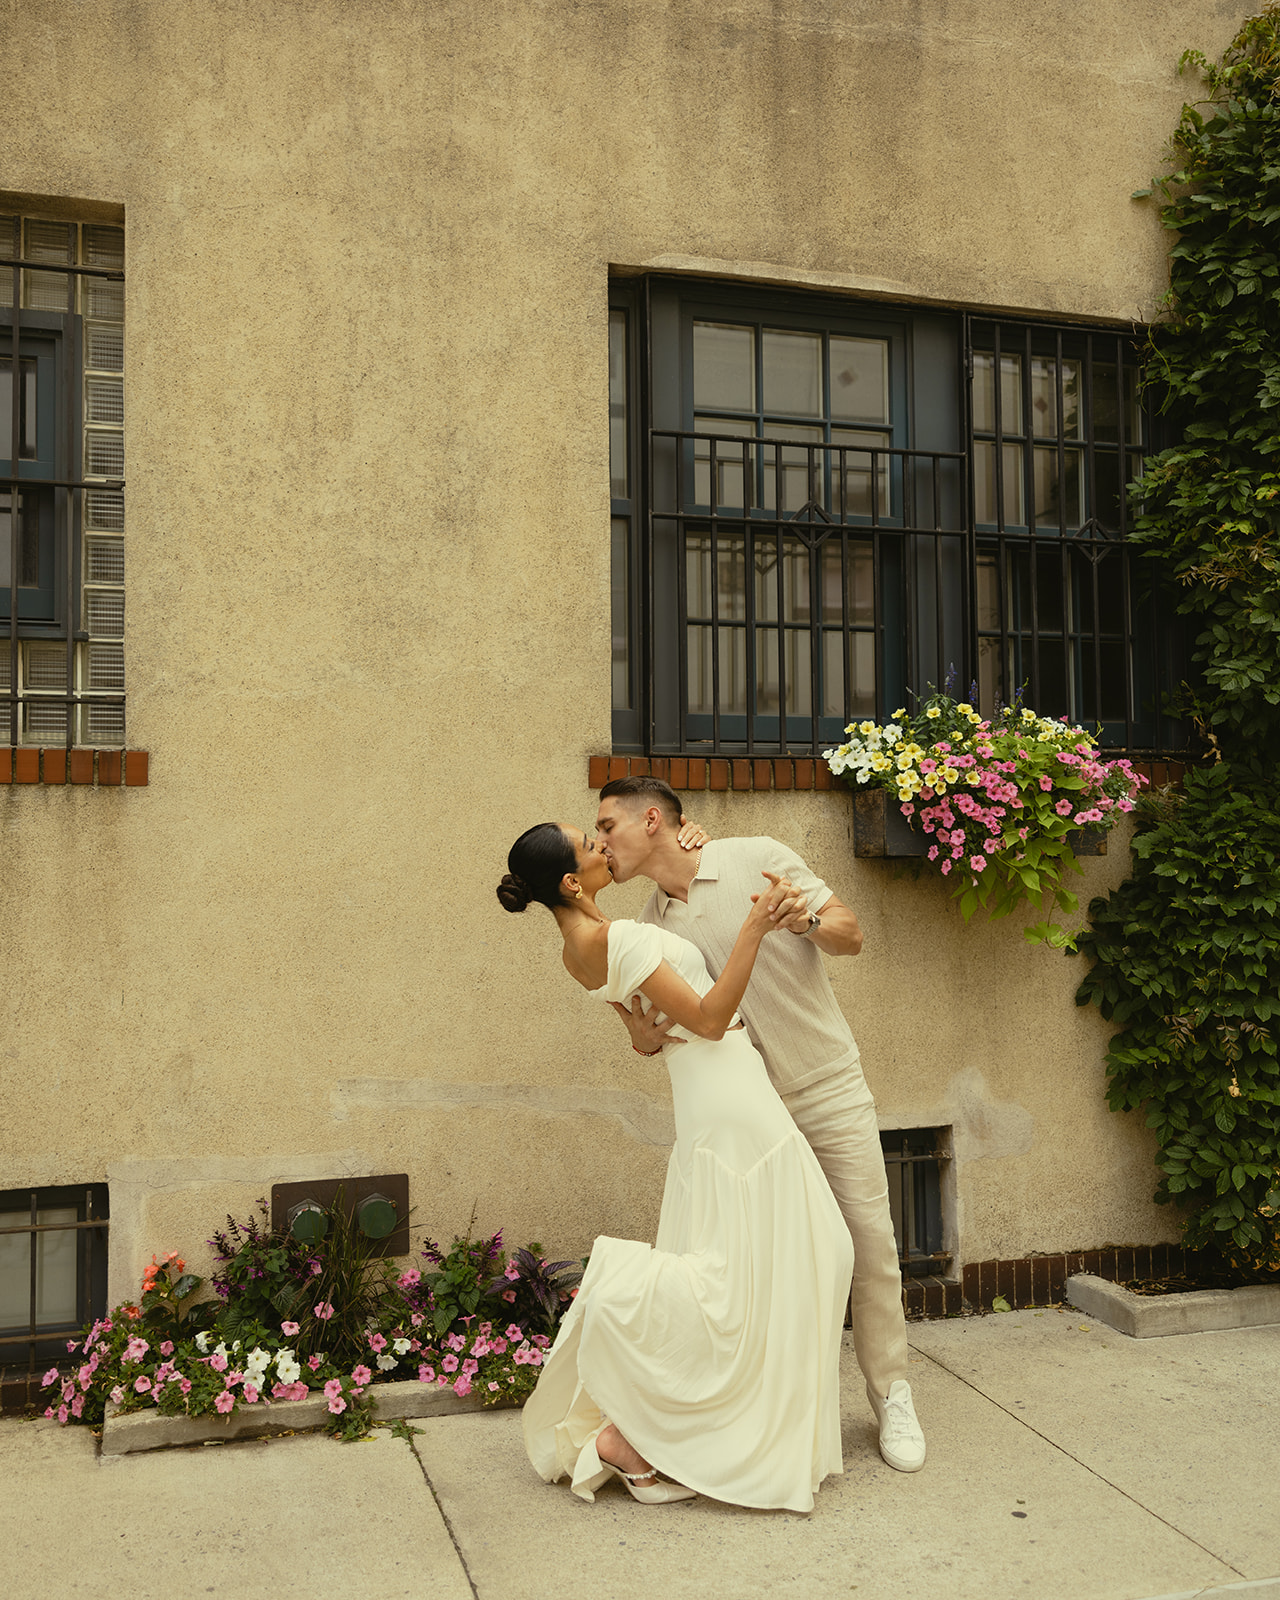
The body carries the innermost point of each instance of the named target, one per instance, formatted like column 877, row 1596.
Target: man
column 796, row 1024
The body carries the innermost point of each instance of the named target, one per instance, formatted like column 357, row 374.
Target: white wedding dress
column 716, row 1354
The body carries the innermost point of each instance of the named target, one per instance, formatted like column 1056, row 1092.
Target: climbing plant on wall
column 1186, row 953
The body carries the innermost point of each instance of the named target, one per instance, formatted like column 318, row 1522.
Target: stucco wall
column 367, row 642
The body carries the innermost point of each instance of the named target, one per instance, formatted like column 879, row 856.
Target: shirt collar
column 708, row 872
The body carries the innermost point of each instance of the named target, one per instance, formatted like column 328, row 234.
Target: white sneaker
column 901, row 1438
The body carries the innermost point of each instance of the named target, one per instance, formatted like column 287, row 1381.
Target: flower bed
column 295, row 1321
column 993, row 801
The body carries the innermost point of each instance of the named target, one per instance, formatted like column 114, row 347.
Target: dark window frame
column 926, row 597
column 60, row 480
column 45, row 1344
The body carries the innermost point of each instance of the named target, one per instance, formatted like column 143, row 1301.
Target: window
column 53, row 1269
column 820, row 505
column 61, row 481
column 913, row 1159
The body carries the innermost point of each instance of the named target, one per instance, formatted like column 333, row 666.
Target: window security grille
column 913, row 1159
column 61, row 482
column 53, row 1271
column 821, row 508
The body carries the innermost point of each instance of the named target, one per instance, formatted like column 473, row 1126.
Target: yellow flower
column 974, row 717
column 973, row 779
column 879, row 763
column 964, row 709
column 865, row 728
column 904, row 761
column 1028, row 715
column 913, row 749
column 1043, row 738
column 933, row 711
column 900, row 712
column 950, row 774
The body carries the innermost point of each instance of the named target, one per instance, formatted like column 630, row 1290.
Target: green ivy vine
column 1186, row 953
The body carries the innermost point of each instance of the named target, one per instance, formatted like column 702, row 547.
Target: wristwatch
column 803, row 933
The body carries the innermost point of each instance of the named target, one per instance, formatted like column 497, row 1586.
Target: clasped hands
column 788, row 909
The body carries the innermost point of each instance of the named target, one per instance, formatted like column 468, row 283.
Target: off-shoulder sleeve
column 635, row 954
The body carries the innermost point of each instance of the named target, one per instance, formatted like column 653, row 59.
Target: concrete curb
column 1153, row 1316
column 148, row 1430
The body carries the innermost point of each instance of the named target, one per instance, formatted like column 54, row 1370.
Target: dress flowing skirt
column 716, row 1354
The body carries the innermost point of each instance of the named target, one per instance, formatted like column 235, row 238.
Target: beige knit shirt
column 789, row 1007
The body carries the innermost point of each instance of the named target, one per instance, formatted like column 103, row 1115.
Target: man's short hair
column 645, row 792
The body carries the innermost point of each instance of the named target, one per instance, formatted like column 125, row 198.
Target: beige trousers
column 837, row 1115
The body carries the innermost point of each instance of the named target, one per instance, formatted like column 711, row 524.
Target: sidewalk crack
column 444, row 1517
column 1093, row 1471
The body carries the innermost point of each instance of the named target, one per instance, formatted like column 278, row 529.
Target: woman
column 714, row 1357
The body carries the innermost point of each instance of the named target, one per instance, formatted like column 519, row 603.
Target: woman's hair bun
column 512, row 894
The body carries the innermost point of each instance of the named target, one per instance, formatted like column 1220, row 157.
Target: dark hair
column 536, row 863
column 647, row 792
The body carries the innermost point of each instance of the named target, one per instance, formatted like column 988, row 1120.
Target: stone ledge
column 1153, row 1316
column 123, row 1434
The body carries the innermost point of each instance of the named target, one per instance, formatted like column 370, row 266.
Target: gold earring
column 577, row 893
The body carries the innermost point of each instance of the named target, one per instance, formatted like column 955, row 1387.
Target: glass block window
column 62, row 516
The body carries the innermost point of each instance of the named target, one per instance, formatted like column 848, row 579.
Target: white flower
column 287, row 1369
column 202, row 1342
column 401, row 1346
column 221, row 1350
column 386, row 1362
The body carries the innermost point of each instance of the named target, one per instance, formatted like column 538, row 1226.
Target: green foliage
column 1186, row 955
column 1186, row 960
column 1210, row 506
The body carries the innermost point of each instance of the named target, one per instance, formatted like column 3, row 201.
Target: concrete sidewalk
column 1065, row 1460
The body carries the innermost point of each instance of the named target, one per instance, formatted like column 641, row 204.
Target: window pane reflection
column 792, row 372
column 859, row 380
column 618, row 466
column 724, row 366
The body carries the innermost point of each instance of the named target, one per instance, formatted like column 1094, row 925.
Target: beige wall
column 368, row 248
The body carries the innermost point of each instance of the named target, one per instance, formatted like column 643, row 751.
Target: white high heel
column 646, row 1487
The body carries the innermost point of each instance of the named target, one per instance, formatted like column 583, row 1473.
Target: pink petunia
column 337, row 1405
column 426, row 1374
column 323, row 1311
column 493, row 1386
column 117, row 1395
column 512, row 1271
column 218, row 1361
column 410, row 1279
column 62, row 1412
column 498, row 1346
column 290, row 1329
column 50, row 1377
column 1063, row 807
column 946, row 867
column 166, row 1349
column 224, row 1401
column 77, row 1405
column 377, row 1343
column 509, row 1295
column 251, row 1393
column 1046, row 784
column 515, row 1331
column 361, row 1375
column 449, row 1364
column 462, row 1386
column 184, row 1384
column 313, row 1362
column 978, row 863
column 142, row 1384
column 332, row 1388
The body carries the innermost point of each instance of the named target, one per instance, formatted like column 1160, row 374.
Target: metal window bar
column 919, row 486
column 1076, row 565
column 43, row 1339
column 913, row 1160
column 72, row 487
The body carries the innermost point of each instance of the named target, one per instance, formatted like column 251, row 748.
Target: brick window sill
column 783, row 773
column 101, row 769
